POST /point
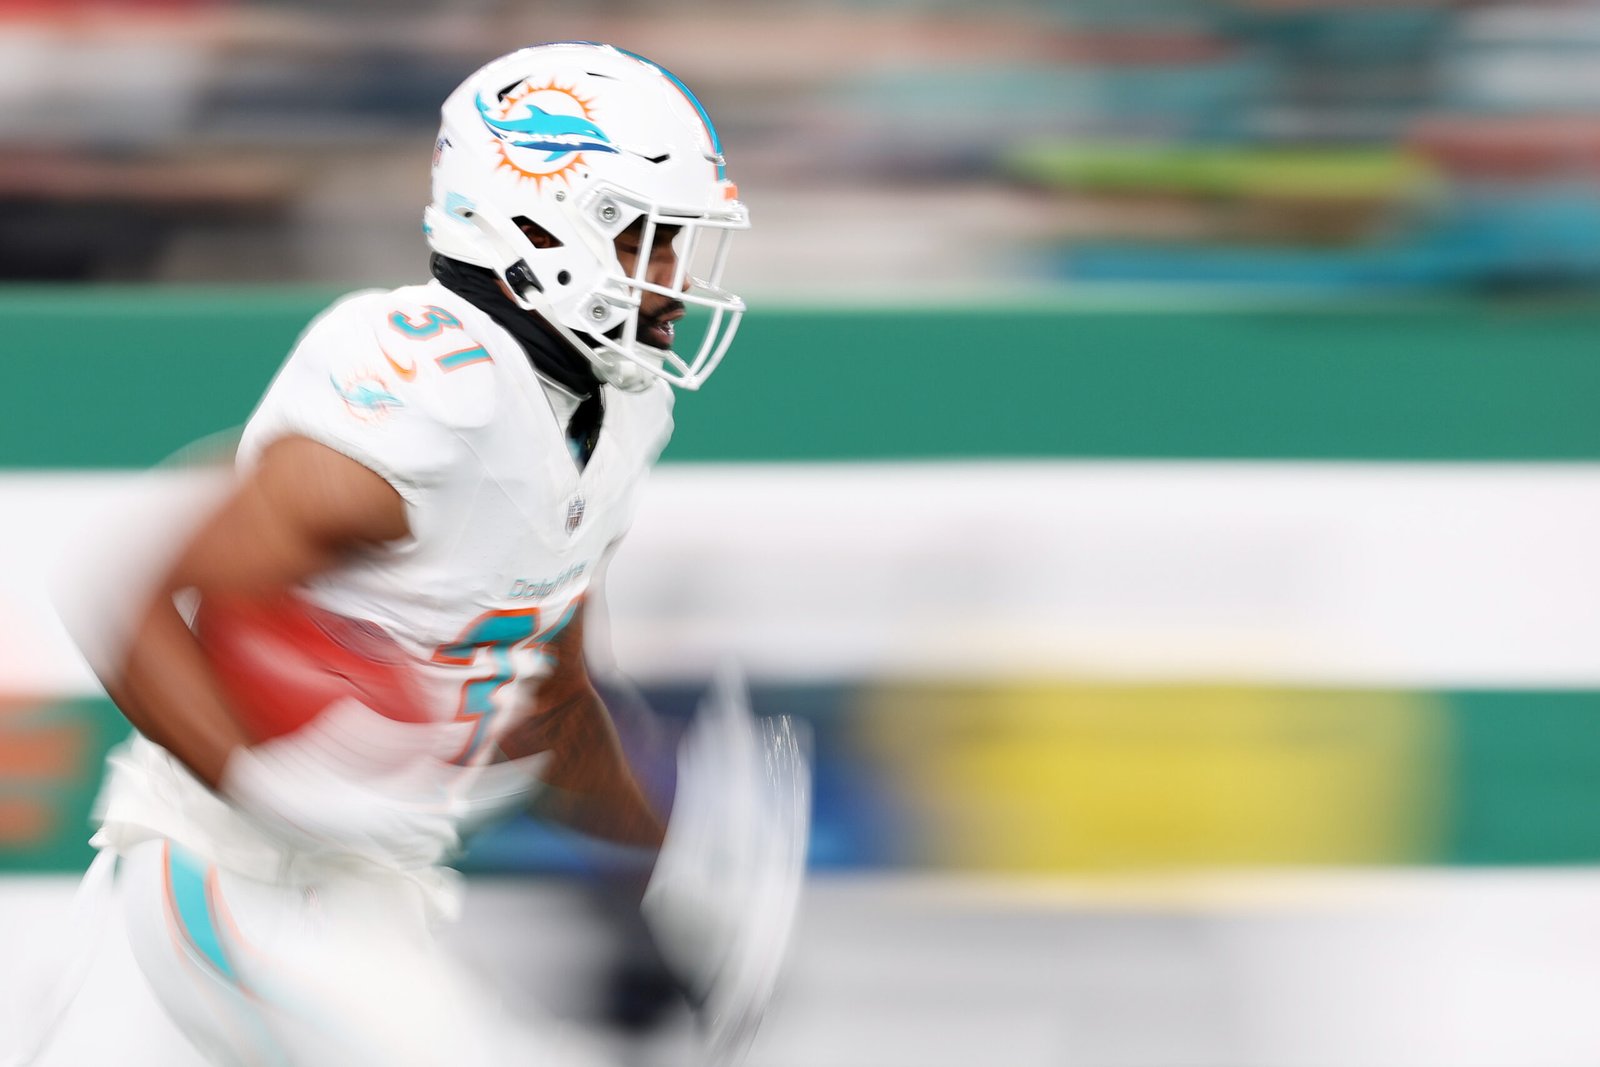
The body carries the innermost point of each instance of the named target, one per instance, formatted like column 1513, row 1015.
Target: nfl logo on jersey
column 574, row 513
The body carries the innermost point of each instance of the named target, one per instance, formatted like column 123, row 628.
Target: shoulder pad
column 423, row 346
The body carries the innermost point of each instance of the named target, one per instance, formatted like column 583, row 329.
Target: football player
column 452, row 462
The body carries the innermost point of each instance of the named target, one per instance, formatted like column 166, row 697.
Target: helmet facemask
column 613, row 316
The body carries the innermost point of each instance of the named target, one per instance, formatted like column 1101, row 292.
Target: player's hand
column 315, row 791
column 722, row 899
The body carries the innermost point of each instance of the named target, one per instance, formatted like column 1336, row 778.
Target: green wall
column 1524, row 769
column 123, row 377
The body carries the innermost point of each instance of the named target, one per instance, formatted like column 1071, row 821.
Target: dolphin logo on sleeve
column 366, row 397
column 545, row 132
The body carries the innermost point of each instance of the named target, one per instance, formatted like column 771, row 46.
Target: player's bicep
column 298, row 510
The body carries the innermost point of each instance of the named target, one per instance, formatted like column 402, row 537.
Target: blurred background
column 1159, row 463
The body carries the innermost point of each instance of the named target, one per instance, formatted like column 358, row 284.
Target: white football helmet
column 583, row 140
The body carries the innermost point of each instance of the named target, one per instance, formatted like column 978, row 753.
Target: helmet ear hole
column 564, row 278
column 537, row 235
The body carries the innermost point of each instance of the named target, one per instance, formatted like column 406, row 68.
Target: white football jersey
column 507, row 531
column 426, row 390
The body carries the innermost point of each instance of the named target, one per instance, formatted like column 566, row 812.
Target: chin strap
column 629, row 378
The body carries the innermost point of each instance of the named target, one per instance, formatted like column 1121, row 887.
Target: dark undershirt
column 552, row 357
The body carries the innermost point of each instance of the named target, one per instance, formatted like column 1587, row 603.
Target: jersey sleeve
column 343, row 387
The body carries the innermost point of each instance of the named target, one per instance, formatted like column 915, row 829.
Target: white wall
column 1382, row 574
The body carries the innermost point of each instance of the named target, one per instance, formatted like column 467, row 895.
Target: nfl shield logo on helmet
column 574, row 513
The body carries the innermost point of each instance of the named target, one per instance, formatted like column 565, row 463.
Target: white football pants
column 342, row 973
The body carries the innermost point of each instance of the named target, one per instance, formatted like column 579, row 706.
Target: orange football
column 282, row 662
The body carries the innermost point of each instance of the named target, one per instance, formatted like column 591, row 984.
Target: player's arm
column 300, row 510
column 590, row 785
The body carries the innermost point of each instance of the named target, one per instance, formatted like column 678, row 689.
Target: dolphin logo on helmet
column 545, row 132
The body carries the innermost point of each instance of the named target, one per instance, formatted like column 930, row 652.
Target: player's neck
column 552, row 358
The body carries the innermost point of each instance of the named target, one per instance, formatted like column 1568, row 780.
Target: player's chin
column 656, row 335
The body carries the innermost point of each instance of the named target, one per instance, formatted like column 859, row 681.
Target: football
column 283, row 662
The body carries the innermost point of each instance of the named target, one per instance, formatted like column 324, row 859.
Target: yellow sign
column 1051, row 777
